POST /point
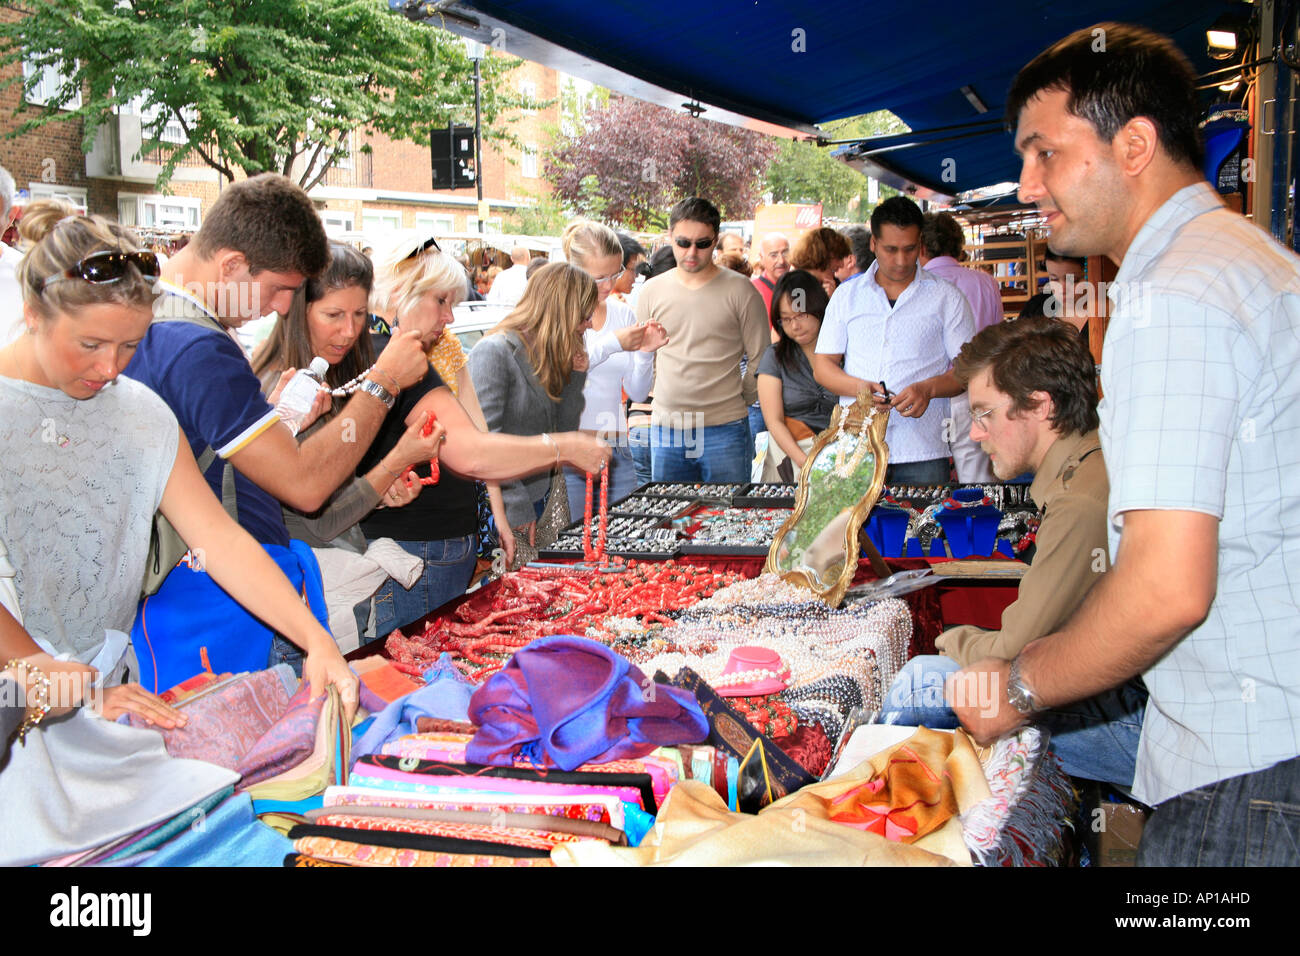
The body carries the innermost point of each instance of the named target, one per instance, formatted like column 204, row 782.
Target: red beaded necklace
column 597, row 554
column 434, row 472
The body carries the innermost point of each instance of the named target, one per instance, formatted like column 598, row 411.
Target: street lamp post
column 476, row 52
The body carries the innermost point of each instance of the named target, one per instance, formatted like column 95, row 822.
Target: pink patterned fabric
column 287, row 742
column 225, row 724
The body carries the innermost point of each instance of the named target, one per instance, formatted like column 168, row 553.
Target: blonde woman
column 620, row 356
column 416, row 288
column 90, row 456
column 529, row 372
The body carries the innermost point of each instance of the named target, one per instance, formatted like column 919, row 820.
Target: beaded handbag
column 554, row 519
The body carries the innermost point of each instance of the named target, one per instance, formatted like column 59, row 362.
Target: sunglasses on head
column 683, row 243
column 422, row 247
column 109, row 267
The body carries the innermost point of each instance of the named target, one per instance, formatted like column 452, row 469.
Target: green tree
column 543, row 217
column 865, row 125
column 804, row 173
column 257, row 85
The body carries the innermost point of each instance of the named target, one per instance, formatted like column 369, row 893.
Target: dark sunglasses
column 109, row 267
column 423, row 247
column 683, row 243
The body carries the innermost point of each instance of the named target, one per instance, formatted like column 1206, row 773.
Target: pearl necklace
column 347, row 388
column 751, row 677
column 845, row 469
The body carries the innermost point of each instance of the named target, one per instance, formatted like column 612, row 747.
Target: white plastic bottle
column 299, row 395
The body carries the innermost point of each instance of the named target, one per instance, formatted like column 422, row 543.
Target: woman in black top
column 795, row 408
column 416, row 287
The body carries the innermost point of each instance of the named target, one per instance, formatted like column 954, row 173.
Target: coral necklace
column 434, row 472
column 590, row 554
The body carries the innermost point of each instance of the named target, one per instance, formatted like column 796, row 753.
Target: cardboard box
column 1118, row 832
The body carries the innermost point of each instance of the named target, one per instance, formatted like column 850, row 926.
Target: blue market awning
column 787, row 65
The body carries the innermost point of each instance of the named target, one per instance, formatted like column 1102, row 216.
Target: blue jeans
column 756, row 425
column 936, row 471
column 714, row 453
column 638, row 443
column 622, row 482
column 285, row 651
column 1250, row 820
column 1096, row 738
column 448, row 565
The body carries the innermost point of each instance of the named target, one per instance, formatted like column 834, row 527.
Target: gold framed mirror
column 817, row 546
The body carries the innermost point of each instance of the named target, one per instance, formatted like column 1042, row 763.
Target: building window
column 173, row 131
column 344, row 158
column 434, row 223
column 380, row 223
column 528, row 90
column 528, row 161
column 490, row 226
column 337, row 223
column 49, row 87
column 74, row 197
column 165, row 213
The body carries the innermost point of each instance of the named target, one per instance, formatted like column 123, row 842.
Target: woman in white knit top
column 89, row 456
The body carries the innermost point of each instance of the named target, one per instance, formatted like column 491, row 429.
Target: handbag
column 166, row 549
column 191, row 624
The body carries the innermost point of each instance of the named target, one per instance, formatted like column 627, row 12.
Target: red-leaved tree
column 635, row 160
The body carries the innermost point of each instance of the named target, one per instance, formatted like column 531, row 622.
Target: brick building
column 390, row 188
column 370, row 193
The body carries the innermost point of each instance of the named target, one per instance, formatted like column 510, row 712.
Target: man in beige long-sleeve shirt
column 714, row 317
column 1034, row 408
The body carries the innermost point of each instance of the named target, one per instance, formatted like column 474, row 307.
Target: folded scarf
column 564, row 701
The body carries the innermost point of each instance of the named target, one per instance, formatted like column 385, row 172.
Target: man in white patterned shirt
column 1200, row 428
column 899, row 327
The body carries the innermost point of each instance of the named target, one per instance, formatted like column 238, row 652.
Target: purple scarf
column 564, row 701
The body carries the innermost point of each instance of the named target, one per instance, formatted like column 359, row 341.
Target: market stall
column 685, row 673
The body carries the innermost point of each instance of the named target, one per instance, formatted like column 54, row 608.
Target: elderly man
column 1198, row 427
column 775, row 262
column 508, row 288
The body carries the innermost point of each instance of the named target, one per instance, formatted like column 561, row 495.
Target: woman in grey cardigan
column 529, row 372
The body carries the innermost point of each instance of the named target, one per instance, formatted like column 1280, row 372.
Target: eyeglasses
column 103, row 267
column 603, row 280
column 423, row 247
column 683, row 243
column 784, row 319
column 978, row 417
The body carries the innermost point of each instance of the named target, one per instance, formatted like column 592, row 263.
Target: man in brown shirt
column 714, row 317
column 1034, row 408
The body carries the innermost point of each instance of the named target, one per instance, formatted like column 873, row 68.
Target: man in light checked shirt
column 1200, row 426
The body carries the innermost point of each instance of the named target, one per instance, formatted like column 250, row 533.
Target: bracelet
column 376, row 370
column 551, row 441
column 389, row 470
column 41, row 692
column 375, row 390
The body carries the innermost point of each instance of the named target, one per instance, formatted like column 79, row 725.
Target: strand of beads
column 589, row 554
column 435, row 472
column 347, row 388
